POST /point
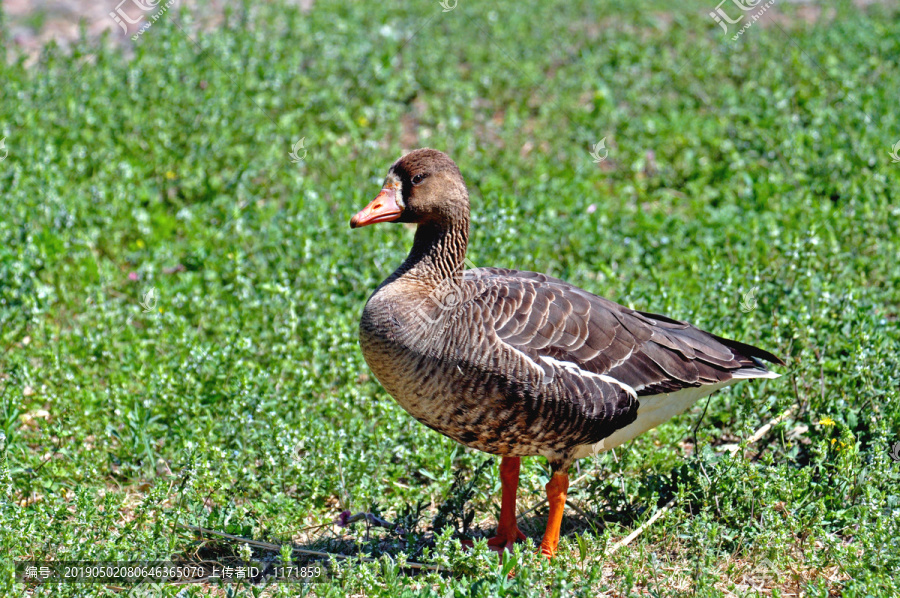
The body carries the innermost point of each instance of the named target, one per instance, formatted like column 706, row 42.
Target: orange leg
column 556, row 496
column 507, row 530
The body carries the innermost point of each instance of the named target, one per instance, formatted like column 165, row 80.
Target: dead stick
column 640, row 530
column 578, row 510
column 765, row 429
column 754, row 438
column 542, row 502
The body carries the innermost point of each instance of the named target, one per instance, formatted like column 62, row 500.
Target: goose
column 520, row 364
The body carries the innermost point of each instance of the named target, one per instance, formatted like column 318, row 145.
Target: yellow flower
column 170, row 175
column 826, row 421
column 140, row 243
column 363, row 121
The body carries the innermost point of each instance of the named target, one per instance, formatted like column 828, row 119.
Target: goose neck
column 438, row 253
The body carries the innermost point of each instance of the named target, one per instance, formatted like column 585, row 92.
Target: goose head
column 423, row 187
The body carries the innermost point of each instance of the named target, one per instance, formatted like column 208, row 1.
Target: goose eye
column 418, row 178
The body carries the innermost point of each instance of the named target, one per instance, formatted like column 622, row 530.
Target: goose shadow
column 367, row 536
column 365, row 540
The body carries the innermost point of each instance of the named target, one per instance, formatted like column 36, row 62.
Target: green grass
column 762, row 163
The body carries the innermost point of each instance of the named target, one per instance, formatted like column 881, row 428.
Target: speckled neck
column 438, row 251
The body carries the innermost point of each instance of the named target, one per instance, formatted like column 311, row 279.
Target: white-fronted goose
column 518, row 363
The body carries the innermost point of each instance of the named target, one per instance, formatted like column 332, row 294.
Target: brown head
column 423, row 187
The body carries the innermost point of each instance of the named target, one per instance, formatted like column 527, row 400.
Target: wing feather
column 543, row 316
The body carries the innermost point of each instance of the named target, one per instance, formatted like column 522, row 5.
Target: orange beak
column 383, row 208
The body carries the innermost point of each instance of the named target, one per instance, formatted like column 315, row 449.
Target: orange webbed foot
column 506, row 539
